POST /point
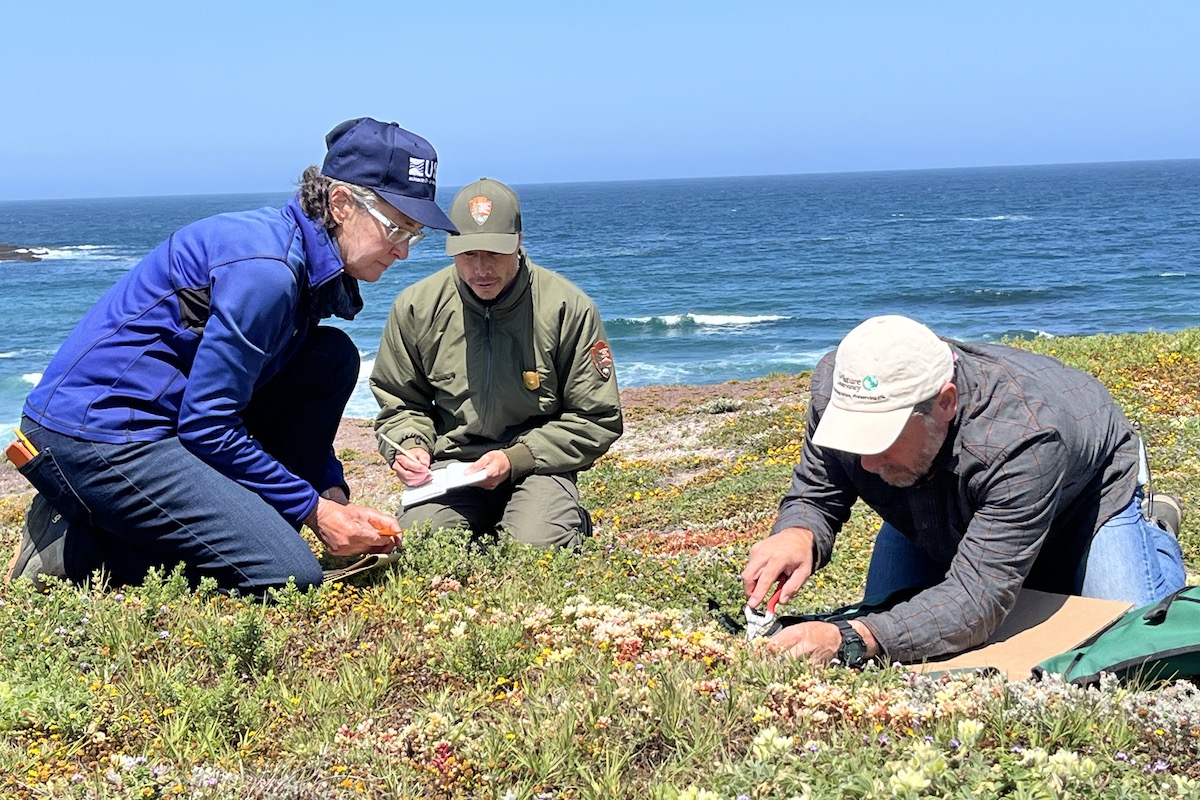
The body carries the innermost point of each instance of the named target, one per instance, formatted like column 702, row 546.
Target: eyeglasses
column 395, row 234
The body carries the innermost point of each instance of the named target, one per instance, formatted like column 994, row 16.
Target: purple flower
column 955, row 744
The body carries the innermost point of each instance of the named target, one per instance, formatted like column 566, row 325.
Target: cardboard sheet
column 1040, row 625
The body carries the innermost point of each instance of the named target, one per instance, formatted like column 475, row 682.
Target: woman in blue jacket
column 190, row 416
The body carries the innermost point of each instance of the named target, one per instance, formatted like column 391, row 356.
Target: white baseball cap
column 882, row 369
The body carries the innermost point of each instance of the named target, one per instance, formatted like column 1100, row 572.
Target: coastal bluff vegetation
column 507, row 672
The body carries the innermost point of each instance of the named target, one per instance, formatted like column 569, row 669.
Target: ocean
column 707, row 280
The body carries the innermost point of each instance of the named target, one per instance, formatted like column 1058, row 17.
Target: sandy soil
column 660, row 423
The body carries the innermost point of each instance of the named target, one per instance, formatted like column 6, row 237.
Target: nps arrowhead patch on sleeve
column 602, row 359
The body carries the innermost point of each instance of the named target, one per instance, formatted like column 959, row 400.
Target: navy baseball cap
column 396, row 164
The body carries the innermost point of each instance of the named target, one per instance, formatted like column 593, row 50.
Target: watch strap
column 853, row 650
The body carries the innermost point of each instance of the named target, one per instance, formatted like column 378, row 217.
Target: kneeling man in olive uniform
column 501, row 364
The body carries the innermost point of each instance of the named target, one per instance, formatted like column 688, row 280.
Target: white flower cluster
column 770, row 743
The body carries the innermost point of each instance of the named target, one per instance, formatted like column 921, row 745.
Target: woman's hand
column 350, row 529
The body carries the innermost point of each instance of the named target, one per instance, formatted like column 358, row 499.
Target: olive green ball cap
column 488, row 217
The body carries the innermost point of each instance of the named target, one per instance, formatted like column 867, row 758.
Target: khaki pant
column 541, row 510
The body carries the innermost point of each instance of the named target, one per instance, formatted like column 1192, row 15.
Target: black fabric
column 296, row 414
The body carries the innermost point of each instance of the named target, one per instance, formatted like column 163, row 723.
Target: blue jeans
column 1129, row 559
column 155, row 504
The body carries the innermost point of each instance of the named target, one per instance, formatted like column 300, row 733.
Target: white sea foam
column 998, row 218
column 362, row 404
column 640, row 373
column 1018, row 333
column 734, row 319
column 796, row 362
column 25, row 352
column 705, row 319
column 32, row 378
column 1172, row 274
column 91, row 252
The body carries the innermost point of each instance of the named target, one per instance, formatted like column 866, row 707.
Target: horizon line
column 639, row 180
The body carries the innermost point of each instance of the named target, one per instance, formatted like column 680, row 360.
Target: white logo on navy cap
column 422, row 170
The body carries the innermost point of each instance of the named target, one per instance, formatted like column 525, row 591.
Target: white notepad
column 446, row 478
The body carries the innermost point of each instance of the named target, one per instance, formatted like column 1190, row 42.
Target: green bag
column 1152, row 644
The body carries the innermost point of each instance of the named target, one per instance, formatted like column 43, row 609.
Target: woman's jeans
column 1129, row 559
column 155, row 504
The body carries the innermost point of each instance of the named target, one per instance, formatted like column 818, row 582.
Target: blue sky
column 149, row 98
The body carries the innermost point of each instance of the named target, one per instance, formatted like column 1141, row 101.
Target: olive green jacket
column 530, row 373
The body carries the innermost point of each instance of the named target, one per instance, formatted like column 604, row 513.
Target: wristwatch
column 853, row 650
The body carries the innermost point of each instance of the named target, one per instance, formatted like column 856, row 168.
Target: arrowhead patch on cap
column 481, row 209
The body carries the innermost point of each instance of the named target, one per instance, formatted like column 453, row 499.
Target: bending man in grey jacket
column 992, row 468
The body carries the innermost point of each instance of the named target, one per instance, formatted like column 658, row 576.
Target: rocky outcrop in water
column 11, row 252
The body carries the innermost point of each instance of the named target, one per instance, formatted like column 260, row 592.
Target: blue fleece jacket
column 178, row 346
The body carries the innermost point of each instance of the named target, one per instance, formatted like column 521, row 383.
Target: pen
column 33, row 451
column 399, row 447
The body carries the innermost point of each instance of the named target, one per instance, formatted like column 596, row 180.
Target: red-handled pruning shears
column 760, row 622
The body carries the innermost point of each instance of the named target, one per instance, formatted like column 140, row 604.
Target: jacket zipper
column 487, row 340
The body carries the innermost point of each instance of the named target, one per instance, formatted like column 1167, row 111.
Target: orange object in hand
column 383, row 528
column 18, row 454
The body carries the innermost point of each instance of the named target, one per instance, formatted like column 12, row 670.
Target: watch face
column 853, row 653
column 853, row 650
